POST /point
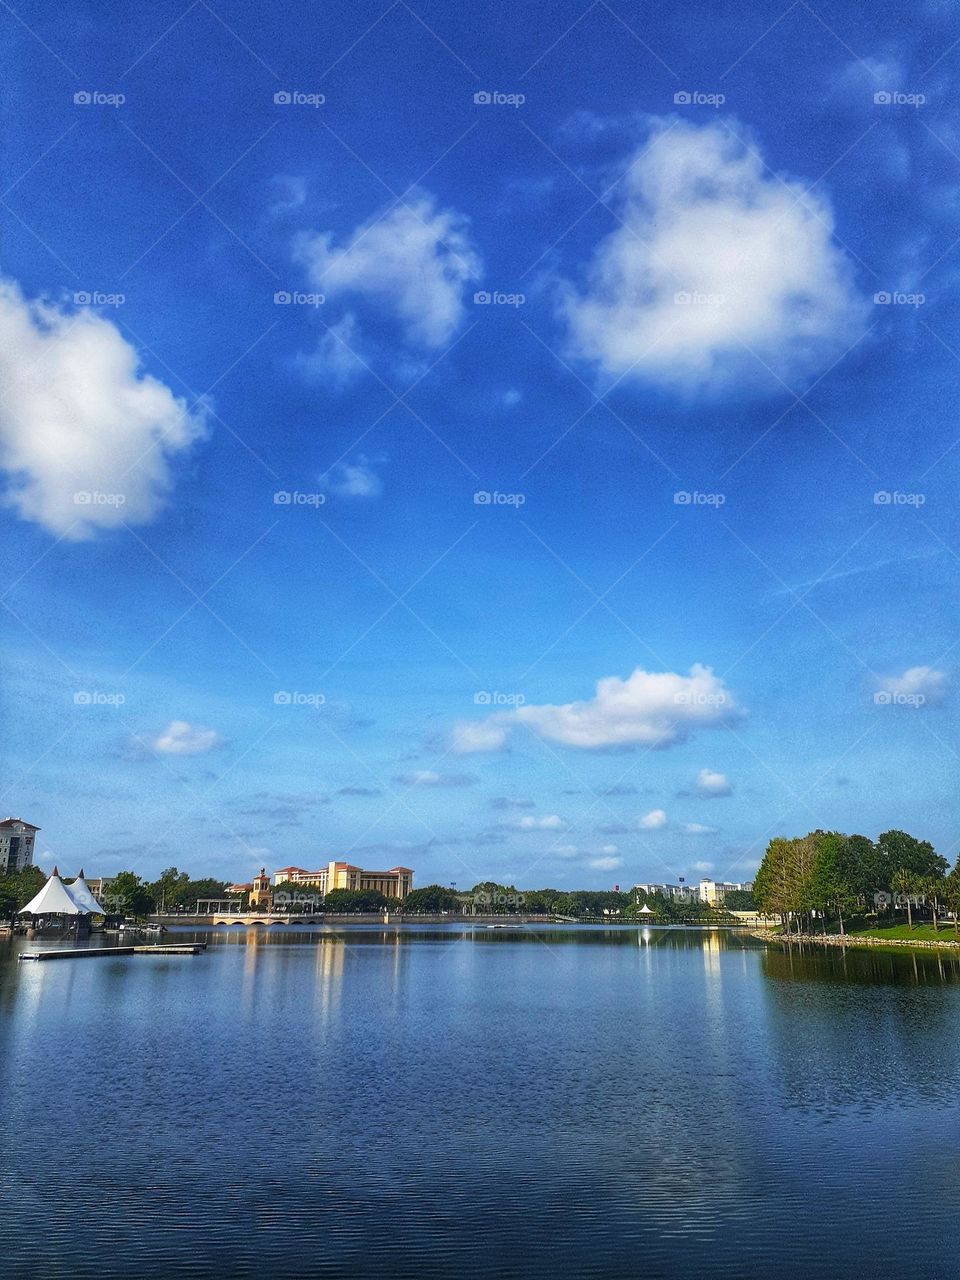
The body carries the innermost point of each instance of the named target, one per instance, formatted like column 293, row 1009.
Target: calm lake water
column 449, row 1102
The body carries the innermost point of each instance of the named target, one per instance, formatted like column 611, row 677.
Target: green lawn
column 919, row 932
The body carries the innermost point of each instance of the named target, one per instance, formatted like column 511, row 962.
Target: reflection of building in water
column 395, row 883
column 712, row 947
column 331, row 954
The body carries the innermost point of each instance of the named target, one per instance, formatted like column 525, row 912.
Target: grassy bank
column 903, row 933
column 897, row 935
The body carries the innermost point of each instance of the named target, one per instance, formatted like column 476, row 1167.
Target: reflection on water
column 452, row 1100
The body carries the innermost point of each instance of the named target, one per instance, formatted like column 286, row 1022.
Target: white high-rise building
column 16, row 844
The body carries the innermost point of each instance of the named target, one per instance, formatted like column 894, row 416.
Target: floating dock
column 159, row 949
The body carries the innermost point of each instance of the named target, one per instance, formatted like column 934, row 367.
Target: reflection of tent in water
column 54, row 899
column 80, row 892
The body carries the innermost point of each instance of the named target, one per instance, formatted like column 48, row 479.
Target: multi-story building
column 261, row 894
column 395, row 883
column 713, row 892
column 681, row 891
column 16, row 844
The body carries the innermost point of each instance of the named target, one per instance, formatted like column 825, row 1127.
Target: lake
column 450, row 1101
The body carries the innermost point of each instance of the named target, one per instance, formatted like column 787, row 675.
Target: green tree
column 782, row 885
column 740, row 900
column 128, row 895
column 899, row 851
column 951, row 893
column 17, row 888
column 833, row 879
column 905, row 883
column 349, row 901
column 432, row 898
column 932, row 887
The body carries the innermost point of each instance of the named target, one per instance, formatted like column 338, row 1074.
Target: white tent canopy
column 54, row 899
column 80, row 892
column 645, row 911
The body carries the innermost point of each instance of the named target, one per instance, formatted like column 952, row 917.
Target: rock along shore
column 845, row 940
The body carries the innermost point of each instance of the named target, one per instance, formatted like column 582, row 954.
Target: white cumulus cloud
column 430, row 778
column 414, row 262
column 698, row 829
column 649, row 708
column 87, row 438
column 719, row 257
column 478, row 735
column 549, row 822
column 655, row 820
column 180, row 738
column 711, row 784
column 917, row 686
column 357, row 479
column 606, row 864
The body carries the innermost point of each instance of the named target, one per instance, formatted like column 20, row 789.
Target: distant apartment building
column 395, row 883
column 16, row 844
column 713, row 892
column 682, row 891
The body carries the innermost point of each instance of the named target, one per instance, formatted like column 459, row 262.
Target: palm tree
column 903, row 882
column 933, row 886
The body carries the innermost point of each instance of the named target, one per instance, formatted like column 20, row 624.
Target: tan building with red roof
column 395, row 883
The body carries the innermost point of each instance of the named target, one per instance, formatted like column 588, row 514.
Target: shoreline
column 848, row 940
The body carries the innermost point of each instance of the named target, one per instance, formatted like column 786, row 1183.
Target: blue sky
column 712, row 595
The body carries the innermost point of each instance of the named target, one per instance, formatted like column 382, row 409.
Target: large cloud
column 649, row 708
column 717, row 256
column 86, row 437
column 415, row 261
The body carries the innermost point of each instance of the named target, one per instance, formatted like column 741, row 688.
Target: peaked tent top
column 645, row 911
column 80, row 892
column 54, row 899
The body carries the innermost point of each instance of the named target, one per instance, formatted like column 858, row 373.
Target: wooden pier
column 158, row 949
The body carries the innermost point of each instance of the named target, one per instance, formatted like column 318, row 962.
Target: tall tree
column 951, row 892
column 904, row 883
column 834, row 876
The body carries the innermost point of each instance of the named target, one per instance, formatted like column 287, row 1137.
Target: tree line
column 826, row 875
